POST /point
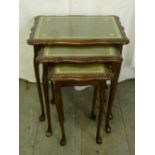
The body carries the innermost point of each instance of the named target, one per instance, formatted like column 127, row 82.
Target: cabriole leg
column 101, row 110
column 36, row 69
column 46, row 94
column 57, row 94
column 92, row 115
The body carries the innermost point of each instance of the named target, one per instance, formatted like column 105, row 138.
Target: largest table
column 78, row 31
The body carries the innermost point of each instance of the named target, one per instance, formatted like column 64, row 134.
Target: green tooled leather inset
column 77, row 27
column 65, row 51
column 79, row 68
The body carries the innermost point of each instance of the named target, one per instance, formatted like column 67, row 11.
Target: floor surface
column 80, row 130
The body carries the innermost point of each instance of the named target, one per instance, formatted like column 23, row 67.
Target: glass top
column 66, row 53
column 78, row 68
column 77, row 27
column 81, row 51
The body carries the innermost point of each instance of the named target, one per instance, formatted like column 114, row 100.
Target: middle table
column 106, row 54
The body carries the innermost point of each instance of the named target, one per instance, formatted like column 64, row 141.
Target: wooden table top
column 78, row 30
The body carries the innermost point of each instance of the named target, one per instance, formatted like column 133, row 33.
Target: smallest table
column 66, row 74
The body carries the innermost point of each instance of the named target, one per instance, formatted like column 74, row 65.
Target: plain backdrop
column 28, row 9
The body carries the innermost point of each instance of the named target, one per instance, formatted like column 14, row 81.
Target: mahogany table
column 82, row 31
